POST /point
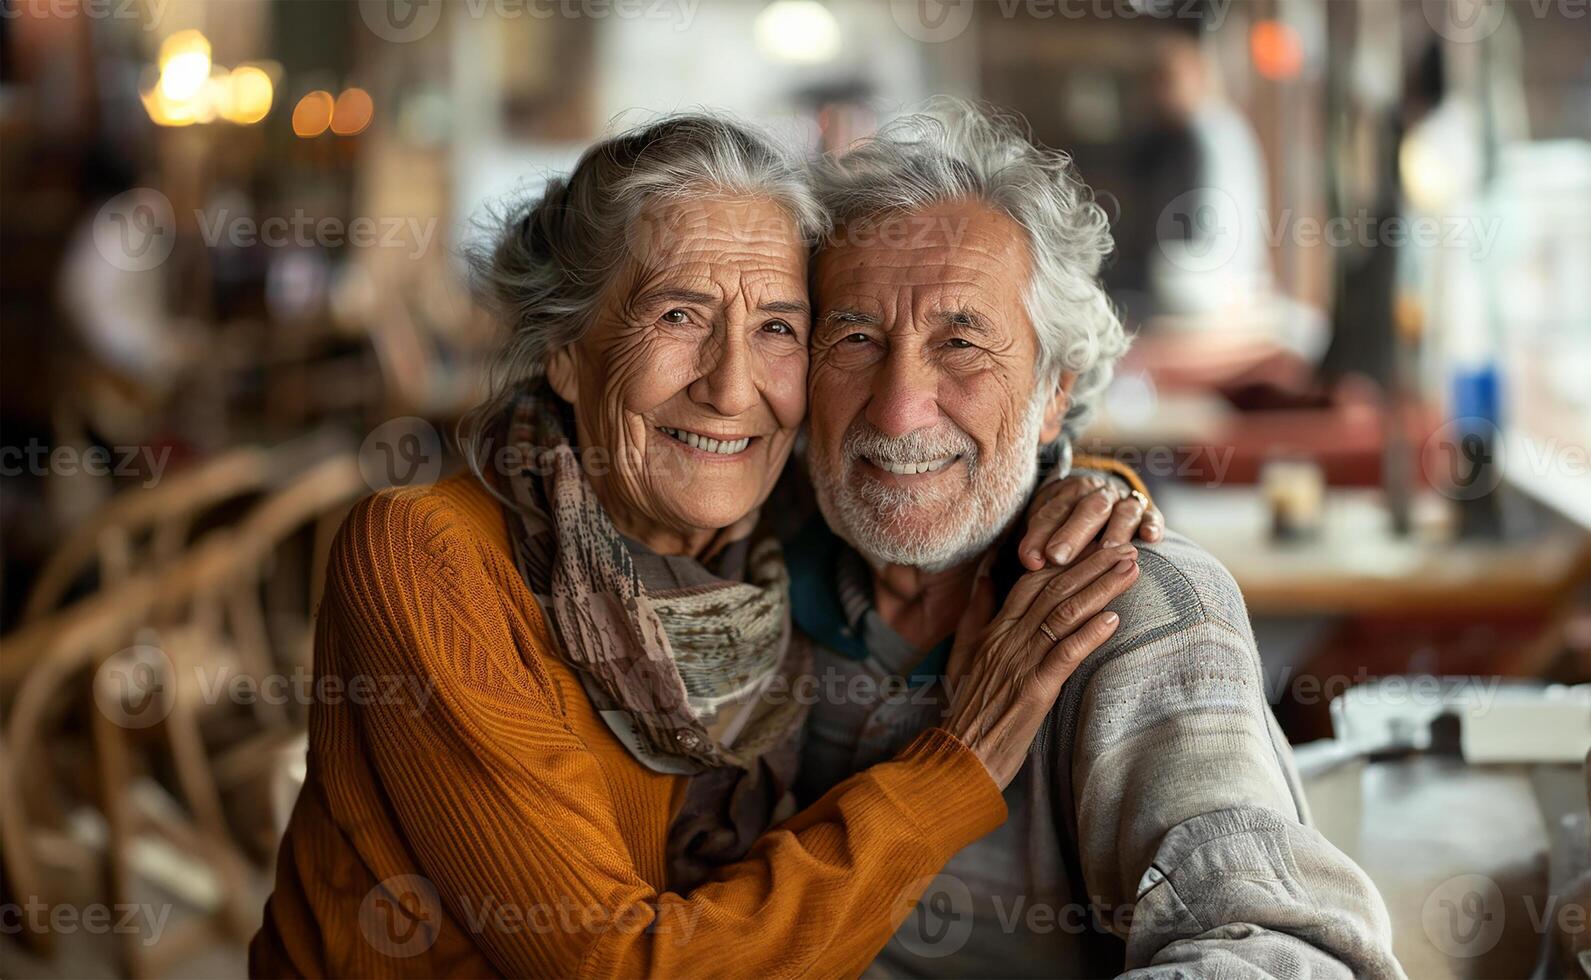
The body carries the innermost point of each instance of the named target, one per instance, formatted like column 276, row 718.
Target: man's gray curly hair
column 953, row 149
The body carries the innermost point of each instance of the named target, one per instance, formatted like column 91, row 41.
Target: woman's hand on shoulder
column 1006, row 671
column 1066, row 514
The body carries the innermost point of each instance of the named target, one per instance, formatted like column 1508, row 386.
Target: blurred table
column 1357, row 567
column 1424, row 829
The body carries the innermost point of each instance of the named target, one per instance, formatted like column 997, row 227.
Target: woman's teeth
column 912, row 469
column 723, row 447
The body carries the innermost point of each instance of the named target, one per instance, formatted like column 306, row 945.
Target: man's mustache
column 863, row 440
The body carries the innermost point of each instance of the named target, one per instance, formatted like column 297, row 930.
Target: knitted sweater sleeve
column 505, row 810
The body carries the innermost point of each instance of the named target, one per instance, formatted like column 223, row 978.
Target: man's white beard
column 933, row 528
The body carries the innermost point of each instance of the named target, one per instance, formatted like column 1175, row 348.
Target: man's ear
column 563, row 373
column 1055, row 411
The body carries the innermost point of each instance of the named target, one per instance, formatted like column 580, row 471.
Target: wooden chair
column 140, row 647
column 142, row 529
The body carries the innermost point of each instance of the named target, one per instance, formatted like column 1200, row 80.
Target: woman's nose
column 904, row 395
column 727, row 385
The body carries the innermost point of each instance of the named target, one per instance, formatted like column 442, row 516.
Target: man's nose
column 904, row 395
column 728, row 384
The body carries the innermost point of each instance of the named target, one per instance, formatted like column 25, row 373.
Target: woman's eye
column 676, row 316
column 856, row 338
column 960, row 343
column 779, row 327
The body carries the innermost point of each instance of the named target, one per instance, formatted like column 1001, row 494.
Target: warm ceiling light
column 251, row 95
column 1278, row 53
column 312, row 114
column 184, row 65
column 352, row 113
column 802, row 32
column 168, row 112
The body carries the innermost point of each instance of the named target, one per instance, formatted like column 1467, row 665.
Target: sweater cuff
column 1115, row 467
column 946, row 792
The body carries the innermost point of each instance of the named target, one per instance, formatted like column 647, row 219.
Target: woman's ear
column 563, row 373
column 1055, row 411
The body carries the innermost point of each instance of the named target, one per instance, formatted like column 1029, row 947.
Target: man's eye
column 960, row 343
column 856, row 338
column 779, row 327
column 676, row 316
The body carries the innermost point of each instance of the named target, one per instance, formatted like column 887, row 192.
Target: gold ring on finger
column 1045, row 629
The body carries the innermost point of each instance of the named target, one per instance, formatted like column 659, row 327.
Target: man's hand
column 1067, row 514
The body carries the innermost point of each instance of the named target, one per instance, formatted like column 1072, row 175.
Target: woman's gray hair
column 545, row 264
column 957, row 150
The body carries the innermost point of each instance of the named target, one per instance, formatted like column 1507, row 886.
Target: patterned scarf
column 660, row 665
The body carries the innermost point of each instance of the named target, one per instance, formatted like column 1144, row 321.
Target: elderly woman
column 597, row 778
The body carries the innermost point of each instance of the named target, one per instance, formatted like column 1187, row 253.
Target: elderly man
column 1156, row 824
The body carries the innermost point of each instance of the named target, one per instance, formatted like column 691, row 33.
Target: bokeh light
column 352, row 113
column 312, row 115
column 1277, row 51
column 184, row 65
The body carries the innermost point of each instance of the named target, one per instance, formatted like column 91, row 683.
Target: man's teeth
column 723, row 447
column 912, row 469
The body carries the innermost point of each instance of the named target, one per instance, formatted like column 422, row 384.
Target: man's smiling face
column 926, row 414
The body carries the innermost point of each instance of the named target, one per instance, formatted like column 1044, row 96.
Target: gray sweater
column 1193, row 843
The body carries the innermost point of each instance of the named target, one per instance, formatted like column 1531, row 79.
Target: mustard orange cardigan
column 467, row 813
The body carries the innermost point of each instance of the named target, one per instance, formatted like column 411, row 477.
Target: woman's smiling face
column 690, row 384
